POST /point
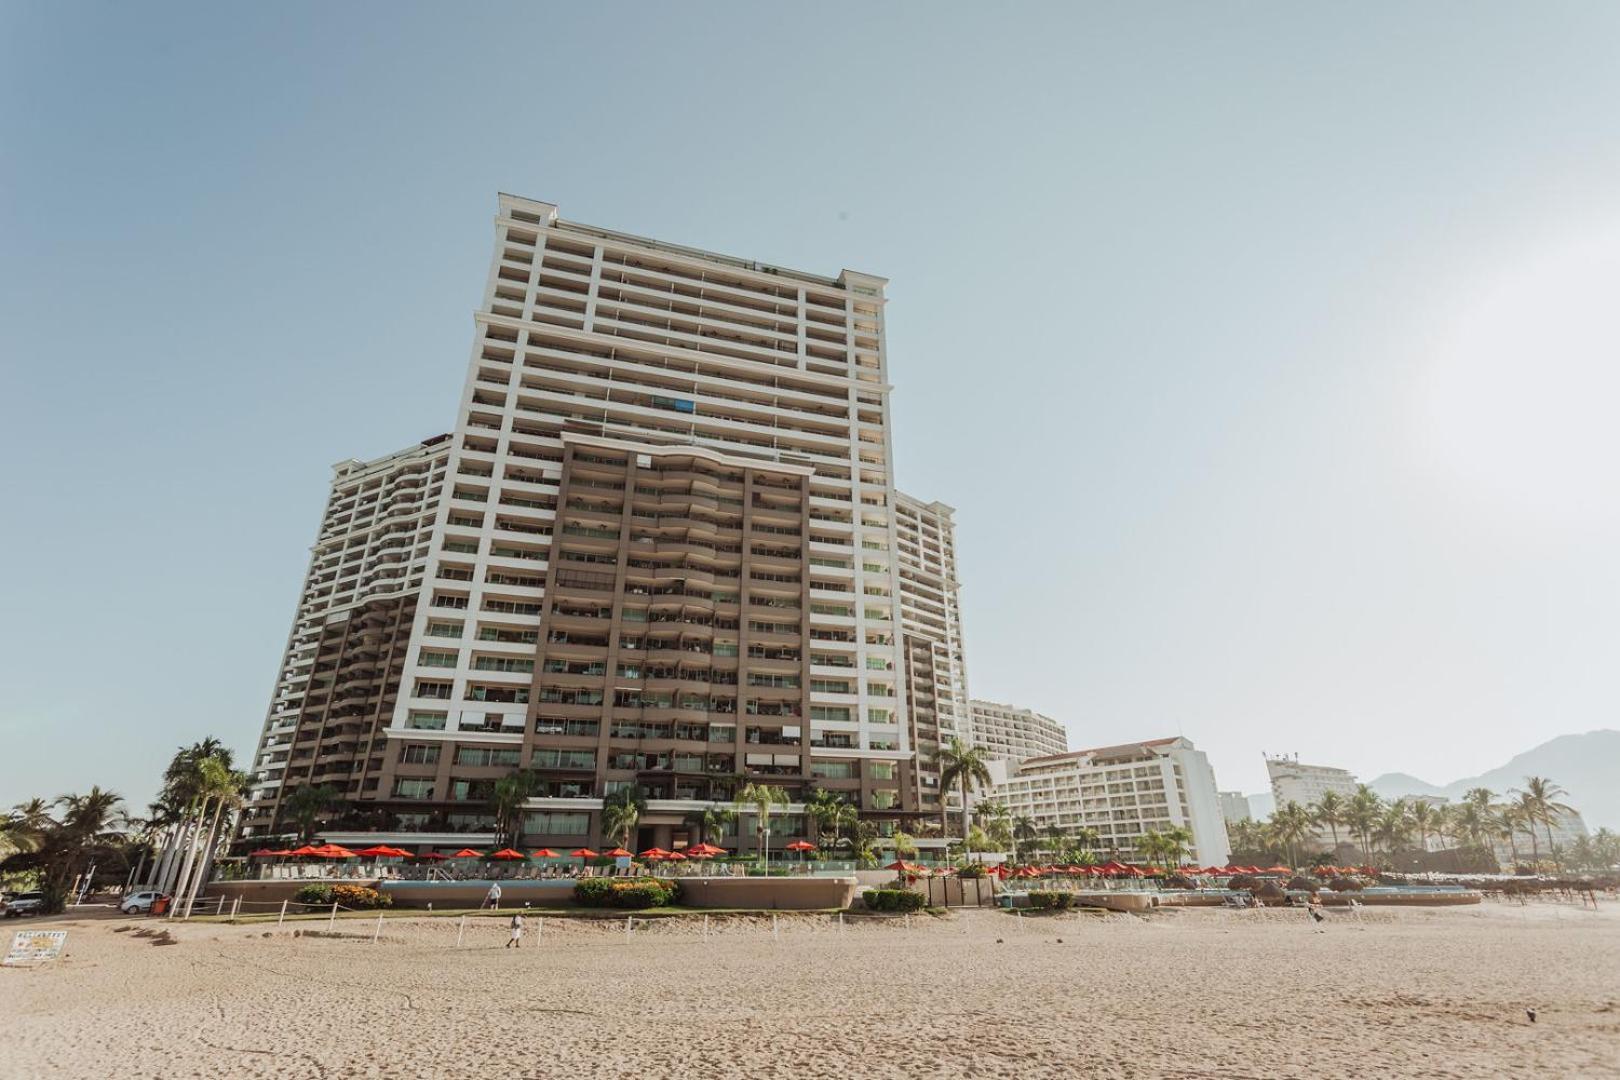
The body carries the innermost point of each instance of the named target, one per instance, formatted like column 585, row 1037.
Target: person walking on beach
column 516, row 940
column 1313, row 907
column 493, row 897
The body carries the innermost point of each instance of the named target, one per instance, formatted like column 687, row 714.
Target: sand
column 1437, row 993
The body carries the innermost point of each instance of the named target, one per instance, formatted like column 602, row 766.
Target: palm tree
column 1425, row 818
column 1362, row 815
column 25, row 827
column 87, row 821
column 962, row 766
column 1330, row 810
column 225, row 787
column 1291, row 824
column 1528, row 813
column 1394, row 826
column 710, row 822
column 1054, row 839
column 1544, row 796
column 822, row 806
column 863, row 844
column 1087, row 839
column 1177, row 839
column 1023, row 830
column 305, row 806
column 621, row 813
column 849, row 817
column 1508, row 821
column 763, row 798
column 506, row 801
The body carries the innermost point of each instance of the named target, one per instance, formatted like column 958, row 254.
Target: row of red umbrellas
column 383, row 851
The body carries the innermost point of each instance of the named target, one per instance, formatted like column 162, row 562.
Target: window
column 880, row 770
column 833, row 770
column 556, row 823
column 419, row 720
column 485, row 756
column 563, row 759
column 437, row 659
column 444, row 629
column 418, row 754
column 883, row 800
column 406, row 787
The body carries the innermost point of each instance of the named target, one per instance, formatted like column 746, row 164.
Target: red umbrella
column 583, row 853
column 704, row 851
column 654, row 853
column 617, row 853
column 675, row 856
column 507, row 853
column 306, row 851
column 902, row 866
column 264, row 853
column 467, row 853
column 335, row 851
column 801, row 845
column 382, row 851
column 546, row 853
column 1278, row 869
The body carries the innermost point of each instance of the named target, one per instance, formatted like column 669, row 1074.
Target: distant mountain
column 1397, row 785
column 1586, row 766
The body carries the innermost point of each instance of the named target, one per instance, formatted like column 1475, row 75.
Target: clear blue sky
column 1282, row 335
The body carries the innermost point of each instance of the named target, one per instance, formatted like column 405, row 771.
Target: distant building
column 1122, row 792
column 1292, row 781
column 1235, row 807
column 1566, row 829
column 1012, row 733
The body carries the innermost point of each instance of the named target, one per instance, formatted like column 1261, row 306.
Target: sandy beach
column 1180, row 994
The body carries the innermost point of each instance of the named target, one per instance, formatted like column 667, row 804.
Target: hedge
column 1050, row 901
column 629, row 893
column 347, row 896
column 896, row 900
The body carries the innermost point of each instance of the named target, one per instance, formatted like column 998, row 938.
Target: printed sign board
column 34, row 947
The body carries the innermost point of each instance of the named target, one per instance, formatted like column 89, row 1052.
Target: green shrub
column 971, row 870
column 1346, row 884
column 1050, row 901
column 895, row 900
column 360, row 896
column 313, row 894
column 628, row 893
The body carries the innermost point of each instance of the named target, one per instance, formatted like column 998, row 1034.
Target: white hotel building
column 1122, row 792
column 1011, row 733
column 663, row 556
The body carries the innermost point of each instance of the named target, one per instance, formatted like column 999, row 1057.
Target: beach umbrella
column 545, row 853
column 508, row 854
column 674, row 856
column 618, row 853
column 467, row 853
column 801, row 846
column 1279, row 869
column 382, row 851
column 333, row 851
column 653, row 853
column 704, row 851
column 307, row 851
column 583, row 853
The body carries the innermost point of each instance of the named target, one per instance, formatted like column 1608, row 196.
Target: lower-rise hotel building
column 1122, row 792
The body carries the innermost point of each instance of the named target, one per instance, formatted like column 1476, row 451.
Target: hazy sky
column 1268, row 351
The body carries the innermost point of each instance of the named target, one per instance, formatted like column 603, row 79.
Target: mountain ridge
column 1585, row 765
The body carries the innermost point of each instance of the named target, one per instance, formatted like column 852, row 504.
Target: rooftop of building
column 854, row 280
column 1118, row 750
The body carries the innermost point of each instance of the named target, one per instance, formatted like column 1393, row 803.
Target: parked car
column 28, row 903
column 140, row 903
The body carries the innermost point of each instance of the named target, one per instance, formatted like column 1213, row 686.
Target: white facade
column 1122, row 792
column 373, row 544
column 929, row 606
column 1011, row 733
column 588, row 331
column 1292, row 781
column 1235, row 807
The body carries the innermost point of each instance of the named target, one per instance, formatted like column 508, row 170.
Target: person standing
column 516, row 940
column 493, row 897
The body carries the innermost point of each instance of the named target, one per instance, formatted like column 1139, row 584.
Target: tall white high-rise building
column 931, row 628
column 666, row 553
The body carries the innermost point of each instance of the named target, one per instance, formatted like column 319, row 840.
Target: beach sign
column 34, row 947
